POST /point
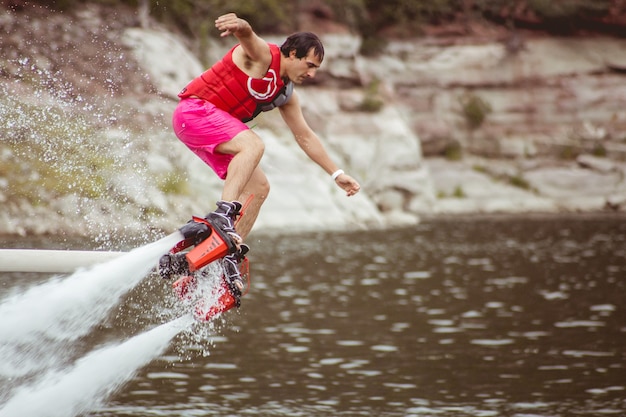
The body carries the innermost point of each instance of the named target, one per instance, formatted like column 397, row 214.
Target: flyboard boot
column 233, row 286
column 213, row 237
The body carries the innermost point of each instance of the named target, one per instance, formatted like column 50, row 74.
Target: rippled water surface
column 473, row 317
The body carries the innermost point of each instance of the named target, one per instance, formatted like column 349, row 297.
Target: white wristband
column 336, row 174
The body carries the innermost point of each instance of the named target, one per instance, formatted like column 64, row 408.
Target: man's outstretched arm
column 312, row 146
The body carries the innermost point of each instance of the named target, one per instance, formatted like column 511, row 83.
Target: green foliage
column 569, row 153
column 369, row 18
column 519, row 182
column 399, row 17
column 453, row 151
column 458, row 192
column 480, row 168
column 372, row 45
column 407, row 15
column 599, row 150
column 552, row 9
column 197, row 16
column 475, row 110
column 372, row 102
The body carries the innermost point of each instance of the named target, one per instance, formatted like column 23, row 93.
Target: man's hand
column 348, row 184
column 229, row 24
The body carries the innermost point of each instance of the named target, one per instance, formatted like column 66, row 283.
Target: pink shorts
column 202, row 126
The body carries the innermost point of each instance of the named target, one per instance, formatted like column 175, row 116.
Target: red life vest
column 233, row 91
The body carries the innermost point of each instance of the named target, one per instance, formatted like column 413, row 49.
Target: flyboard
column 204, row 242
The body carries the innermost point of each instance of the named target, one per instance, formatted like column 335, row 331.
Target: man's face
column 303, row 68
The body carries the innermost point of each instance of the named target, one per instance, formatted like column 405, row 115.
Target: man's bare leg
column 247, row 148
column 259, row 187
column 243, row 179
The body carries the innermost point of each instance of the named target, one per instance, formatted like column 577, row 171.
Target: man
column 253, row 76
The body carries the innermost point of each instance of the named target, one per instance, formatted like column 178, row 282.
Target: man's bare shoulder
column 254, row 65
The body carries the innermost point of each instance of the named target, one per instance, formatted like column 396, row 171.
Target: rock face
column 538, row 127
column 548, row 107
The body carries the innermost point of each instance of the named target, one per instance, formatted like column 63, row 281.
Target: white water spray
column 94, row 377
column 38, row 326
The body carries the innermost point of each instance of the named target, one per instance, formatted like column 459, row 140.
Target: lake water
column 504, row 316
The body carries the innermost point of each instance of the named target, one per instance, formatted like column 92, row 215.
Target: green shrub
column 519, row 181
column 458, row 192
column 481, row 169
column 372, row 102
column 561, row 10
column 370, row 18
column 569, row 153
column 475, row 110
column 599, row 150
column 453, row 151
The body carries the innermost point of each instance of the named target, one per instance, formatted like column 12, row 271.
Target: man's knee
column 258, row 186
column 250, row 142
column 257, row 144
column 245, row 142
column 264, row 189
column 260, row 191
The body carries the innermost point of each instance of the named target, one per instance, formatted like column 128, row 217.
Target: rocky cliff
column 86, row 145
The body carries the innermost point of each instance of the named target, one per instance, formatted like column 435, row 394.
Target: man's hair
column 302, row 42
